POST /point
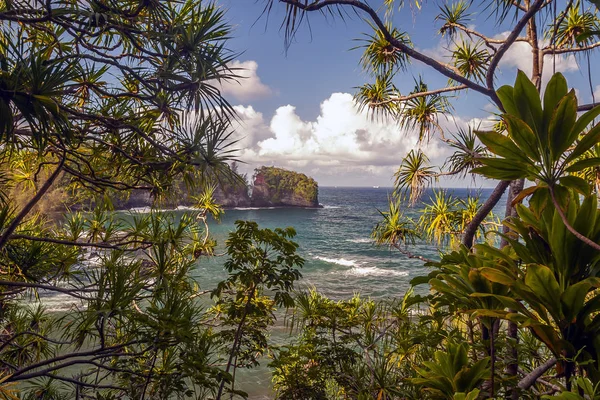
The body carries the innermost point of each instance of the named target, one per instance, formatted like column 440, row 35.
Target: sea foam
column 338, row 261
column 374, row 271
column 360, row 240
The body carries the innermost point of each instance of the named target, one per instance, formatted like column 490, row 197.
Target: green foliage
column 450, row 373
column 283, row 183
column 260, row 261
column 543, row 141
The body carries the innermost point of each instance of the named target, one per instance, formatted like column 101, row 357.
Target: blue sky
column 296, row 109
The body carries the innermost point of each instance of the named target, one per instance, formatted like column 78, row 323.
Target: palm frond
column 422, row 113
column 452, row 15
column 413, row 176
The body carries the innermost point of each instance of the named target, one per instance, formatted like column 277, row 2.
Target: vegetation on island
column 111, row 97
column 283, row 185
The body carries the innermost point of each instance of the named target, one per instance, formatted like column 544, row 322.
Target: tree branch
column 438, row 66
column 530, row 378
column 565, row 221
column 17, row 220
column 483, row 212
column 419, row 94
column 510, row 40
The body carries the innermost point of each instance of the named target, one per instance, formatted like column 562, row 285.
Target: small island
column 278, row 187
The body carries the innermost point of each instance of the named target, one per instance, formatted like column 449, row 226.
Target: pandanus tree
column 543, row 142
column 101, row 98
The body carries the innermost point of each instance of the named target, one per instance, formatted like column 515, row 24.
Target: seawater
column 335, row 242
column 340, row 259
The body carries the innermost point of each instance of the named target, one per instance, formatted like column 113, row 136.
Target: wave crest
column 338, row 261
column 374, row 271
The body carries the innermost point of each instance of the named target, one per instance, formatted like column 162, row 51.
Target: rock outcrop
column 273, row 187
column 277, row 187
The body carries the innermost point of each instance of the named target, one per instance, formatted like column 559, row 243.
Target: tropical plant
column 102, row 99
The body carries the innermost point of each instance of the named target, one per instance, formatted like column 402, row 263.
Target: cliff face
column 276, row 187
column 273, row 187
column 232, row 196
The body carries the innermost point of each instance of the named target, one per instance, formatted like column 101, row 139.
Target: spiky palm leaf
column 574, row 26
column 440, row 217
column 467, row 150
column 452, row 15
column 471, row 60
column 413, row 176
column 422, row 113
column 395, row 228
column 379, row 56
column 378, row 97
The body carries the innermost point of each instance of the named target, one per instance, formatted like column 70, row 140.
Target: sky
column 295, row 104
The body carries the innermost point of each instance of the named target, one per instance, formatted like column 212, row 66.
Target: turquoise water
column 334, row 240
column 340, row 258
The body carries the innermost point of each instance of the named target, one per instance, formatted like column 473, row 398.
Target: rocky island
column 270, row 187
column 278, row 187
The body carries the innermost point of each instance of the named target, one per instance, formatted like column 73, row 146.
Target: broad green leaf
column 583, row 164
column 493, row 173
column 507, row 301
column 549, row 336
column 556, row 89
column 577, row 183
column 589, row 139
column 523, row 136
column 586, row 119
column 561, row 124
column 502, row 146
column 573, row 298
column 528, row 102
column 542, row 282
column 524, row 193
column 505, row 94
column 508, row 167
column 497, row 276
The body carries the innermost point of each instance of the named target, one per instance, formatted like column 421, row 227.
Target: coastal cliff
column 278, row 187
column 272, row 187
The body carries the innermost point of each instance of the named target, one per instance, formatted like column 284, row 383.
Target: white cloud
column 248, row 86
column 597, row 94
column 341, row 141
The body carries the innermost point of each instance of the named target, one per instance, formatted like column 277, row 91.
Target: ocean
column 335, row 242
column 341, row 260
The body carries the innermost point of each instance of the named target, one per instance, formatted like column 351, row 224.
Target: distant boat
column 375, row 187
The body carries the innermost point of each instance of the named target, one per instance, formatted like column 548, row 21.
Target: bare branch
column 510, row 40
column 419, row 94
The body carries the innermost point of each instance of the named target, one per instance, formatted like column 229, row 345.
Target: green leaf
column 556, row 89
column 524, row 193
column 577, row 183
column 497, row 276
column 586, row 119
column 583, row 164
column 527, row 100
column 501, row 167
column 505, row 94
column 590, row 139
column 560, row 136
column 502, row 146
column 544, row 285
column 573, row 298
column 493, row 173
column 523, row 136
